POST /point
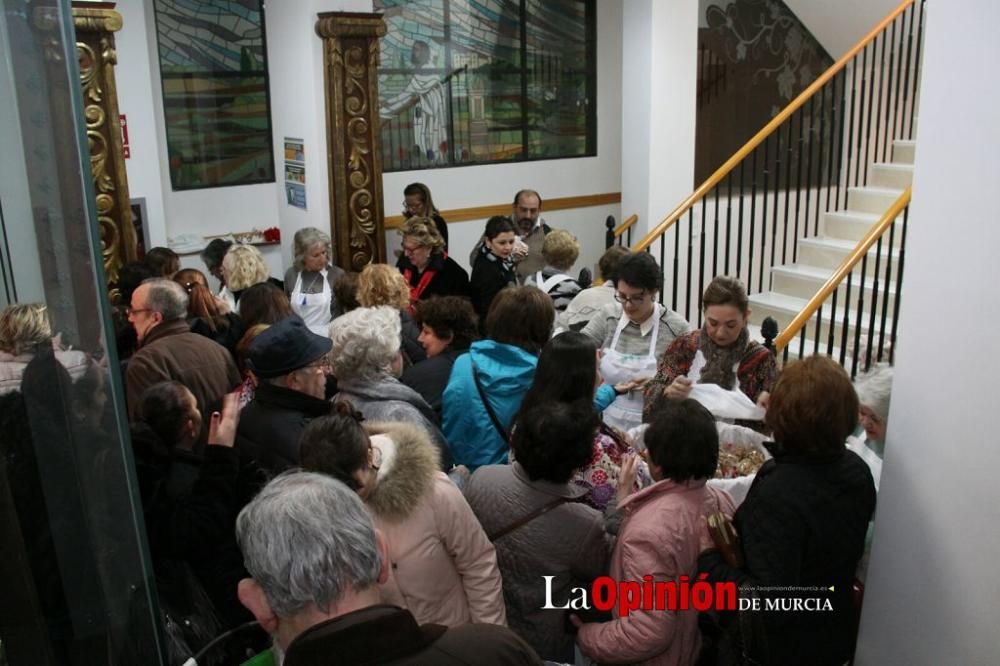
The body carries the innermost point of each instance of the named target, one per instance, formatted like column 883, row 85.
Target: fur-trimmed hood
column 409, row 465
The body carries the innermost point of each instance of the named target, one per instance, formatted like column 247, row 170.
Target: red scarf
column 425, row 279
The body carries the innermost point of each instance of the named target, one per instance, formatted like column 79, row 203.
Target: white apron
column 313, row 308
column 626, row 411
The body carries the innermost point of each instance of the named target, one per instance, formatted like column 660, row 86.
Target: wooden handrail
column 846, row 266
column 766, row 131
column 484, row 212
column 626, row 225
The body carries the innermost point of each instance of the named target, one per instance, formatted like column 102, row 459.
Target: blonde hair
column 560, row 249
column 423, row 230
column 23, row 326
column 244, row 267
column 381, row 284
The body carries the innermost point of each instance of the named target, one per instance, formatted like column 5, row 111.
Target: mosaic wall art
column 215, row 97
column 470, row 82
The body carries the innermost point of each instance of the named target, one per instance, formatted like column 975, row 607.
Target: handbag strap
column 527, row 518
column 486, row 403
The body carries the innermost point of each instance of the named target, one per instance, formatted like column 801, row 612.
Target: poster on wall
column 295, row 173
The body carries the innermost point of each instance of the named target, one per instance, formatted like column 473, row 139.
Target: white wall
column 658, row 102
column 136, row 58
column 839, row 25
column 933, row 586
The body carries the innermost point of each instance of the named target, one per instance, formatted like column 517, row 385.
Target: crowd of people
column 412, row 465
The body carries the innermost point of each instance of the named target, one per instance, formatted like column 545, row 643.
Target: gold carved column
column 354, row 161
column 96, row 23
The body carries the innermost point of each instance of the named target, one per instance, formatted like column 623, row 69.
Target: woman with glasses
column 720, row 353
column 632, row 333
column 417, row 202
column 425, row 263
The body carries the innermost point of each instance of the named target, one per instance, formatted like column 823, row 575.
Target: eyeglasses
column 408, row 249
column 639, row 299
column 129, row 310
column 323, row 365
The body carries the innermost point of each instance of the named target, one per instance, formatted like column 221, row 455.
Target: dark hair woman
column 567, row 372
column 207, row 315
column 444, row 568
column 487, row 385
column 448, row 326
column 190, row 500
column 493, row 268
column 662, row 531
column 721, row 353
column 418, row 202
column 804, row 520
column 264, row 303
column 562, row 538
column 162, row 261
column 632, row 332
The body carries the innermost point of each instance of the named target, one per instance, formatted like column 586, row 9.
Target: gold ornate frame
column 95, row 25
column 354, row 160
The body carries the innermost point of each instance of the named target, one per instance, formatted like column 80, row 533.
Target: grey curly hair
column 365, row 343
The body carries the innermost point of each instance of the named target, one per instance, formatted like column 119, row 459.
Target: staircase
column 793, row 284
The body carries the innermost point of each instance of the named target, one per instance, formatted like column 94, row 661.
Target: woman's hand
column 763, row 399
column 626, row 478
column 222, row 427
column 630, row 385
column 678, row 389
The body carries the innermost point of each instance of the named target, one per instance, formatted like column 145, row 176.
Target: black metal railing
column 854, row 316
column 619, row 235
column 429, row 127
column 751, row 213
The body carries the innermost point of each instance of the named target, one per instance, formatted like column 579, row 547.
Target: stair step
column 890, row 175
column 903, row 151
column 830, row 252
column 853, row 225
column 871, row 199
column 804, row 281
column 783, row 308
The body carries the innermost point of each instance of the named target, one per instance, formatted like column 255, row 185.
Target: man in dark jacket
column 316, row 530
column 290, row 363
column 168, row 350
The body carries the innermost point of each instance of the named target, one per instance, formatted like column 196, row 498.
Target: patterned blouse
column 757, row 373
column 600, row 476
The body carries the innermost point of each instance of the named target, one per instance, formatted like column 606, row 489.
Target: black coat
column 450, row 279
column 272, row 424
column 803, row 523
column 227, row 332
column 488, row 277
column 385, row 634
column 429, row 378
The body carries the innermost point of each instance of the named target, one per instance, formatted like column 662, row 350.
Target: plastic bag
column 726, row 404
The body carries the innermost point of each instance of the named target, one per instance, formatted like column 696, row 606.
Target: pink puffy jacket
column 443, row 569
column 662, row 533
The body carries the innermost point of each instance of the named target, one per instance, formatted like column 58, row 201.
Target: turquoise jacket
column 506, row 373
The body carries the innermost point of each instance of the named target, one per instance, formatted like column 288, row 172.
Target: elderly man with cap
column 317, row 561
column 291, row 365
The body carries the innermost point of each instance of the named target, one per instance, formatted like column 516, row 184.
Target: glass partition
column 75, row 578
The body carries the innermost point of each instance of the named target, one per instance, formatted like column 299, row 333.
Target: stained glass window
column 215, row 98
column 476, row 81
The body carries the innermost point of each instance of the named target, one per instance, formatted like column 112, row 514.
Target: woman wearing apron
column 632, row 333
column 309, row 283
column 721, row 353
